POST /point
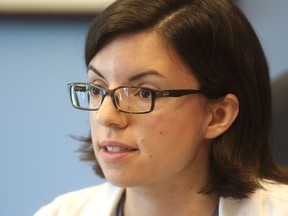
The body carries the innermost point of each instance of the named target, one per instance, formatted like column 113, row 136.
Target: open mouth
column 116, row 149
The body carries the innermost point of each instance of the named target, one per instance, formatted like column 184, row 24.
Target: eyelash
column 98, row 83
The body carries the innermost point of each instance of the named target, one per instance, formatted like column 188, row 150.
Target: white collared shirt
column 102, row 200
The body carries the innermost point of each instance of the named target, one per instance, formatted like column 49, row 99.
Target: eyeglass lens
column 127, row 99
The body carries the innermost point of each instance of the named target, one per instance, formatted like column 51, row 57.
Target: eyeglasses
column 127, row 99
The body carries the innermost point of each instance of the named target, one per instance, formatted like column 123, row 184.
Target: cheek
column 182, row 118
column 94, row 126
column 184, row 122
column 168, row 131
column 181, row 131
column 92, row 123
column 170, row 143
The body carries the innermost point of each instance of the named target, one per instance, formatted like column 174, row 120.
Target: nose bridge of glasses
column 111, row 93
column 118, row 95
column 105, row 92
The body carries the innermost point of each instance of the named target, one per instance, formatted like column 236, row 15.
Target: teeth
column 116, row 149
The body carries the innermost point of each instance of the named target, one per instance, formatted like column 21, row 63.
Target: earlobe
column 223, row 114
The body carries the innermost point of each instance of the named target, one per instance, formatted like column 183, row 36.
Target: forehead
column 128, row 54
column 141, row 46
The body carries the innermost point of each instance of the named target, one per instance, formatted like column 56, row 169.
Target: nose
column 108, row 115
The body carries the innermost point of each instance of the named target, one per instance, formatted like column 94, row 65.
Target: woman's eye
column 143, row 93
column 95, row 91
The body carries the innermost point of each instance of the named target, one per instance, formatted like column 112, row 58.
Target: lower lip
column 110, row 157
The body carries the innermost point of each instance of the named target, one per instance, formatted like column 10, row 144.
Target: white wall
column 37, row 58
column 270, row 20
column 53, row 6
column 37, row 158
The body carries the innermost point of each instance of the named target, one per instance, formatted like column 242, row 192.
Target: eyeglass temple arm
column 176, row 93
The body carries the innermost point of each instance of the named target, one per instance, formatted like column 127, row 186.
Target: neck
column 171, row 200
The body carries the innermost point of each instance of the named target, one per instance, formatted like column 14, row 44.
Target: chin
column 119, row 179
column 121, row 183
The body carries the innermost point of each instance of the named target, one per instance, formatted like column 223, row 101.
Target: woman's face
column 166, row 145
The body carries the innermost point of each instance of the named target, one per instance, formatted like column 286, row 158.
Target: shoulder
column 274, row 190
column 102, row 199
column 270, row 200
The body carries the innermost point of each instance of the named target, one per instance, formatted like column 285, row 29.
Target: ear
column 223, row 114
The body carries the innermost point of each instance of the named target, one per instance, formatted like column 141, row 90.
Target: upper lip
column 109, row 143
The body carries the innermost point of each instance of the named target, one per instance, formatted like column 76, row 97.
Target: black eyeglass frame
column 154, row 94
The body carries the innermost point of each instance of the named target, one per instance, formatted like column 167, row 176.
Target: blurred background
column 41, row 50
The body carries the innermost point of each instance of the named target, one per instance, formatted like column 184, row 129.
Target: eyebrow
column 144, row 74
column 90, row 67
column 132, row 78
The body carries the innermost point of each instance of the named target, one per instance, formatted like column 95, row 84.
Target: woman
column 179, row 102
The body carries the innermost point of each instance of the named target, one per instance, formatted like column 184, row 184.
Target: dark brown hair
column 216, row 41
